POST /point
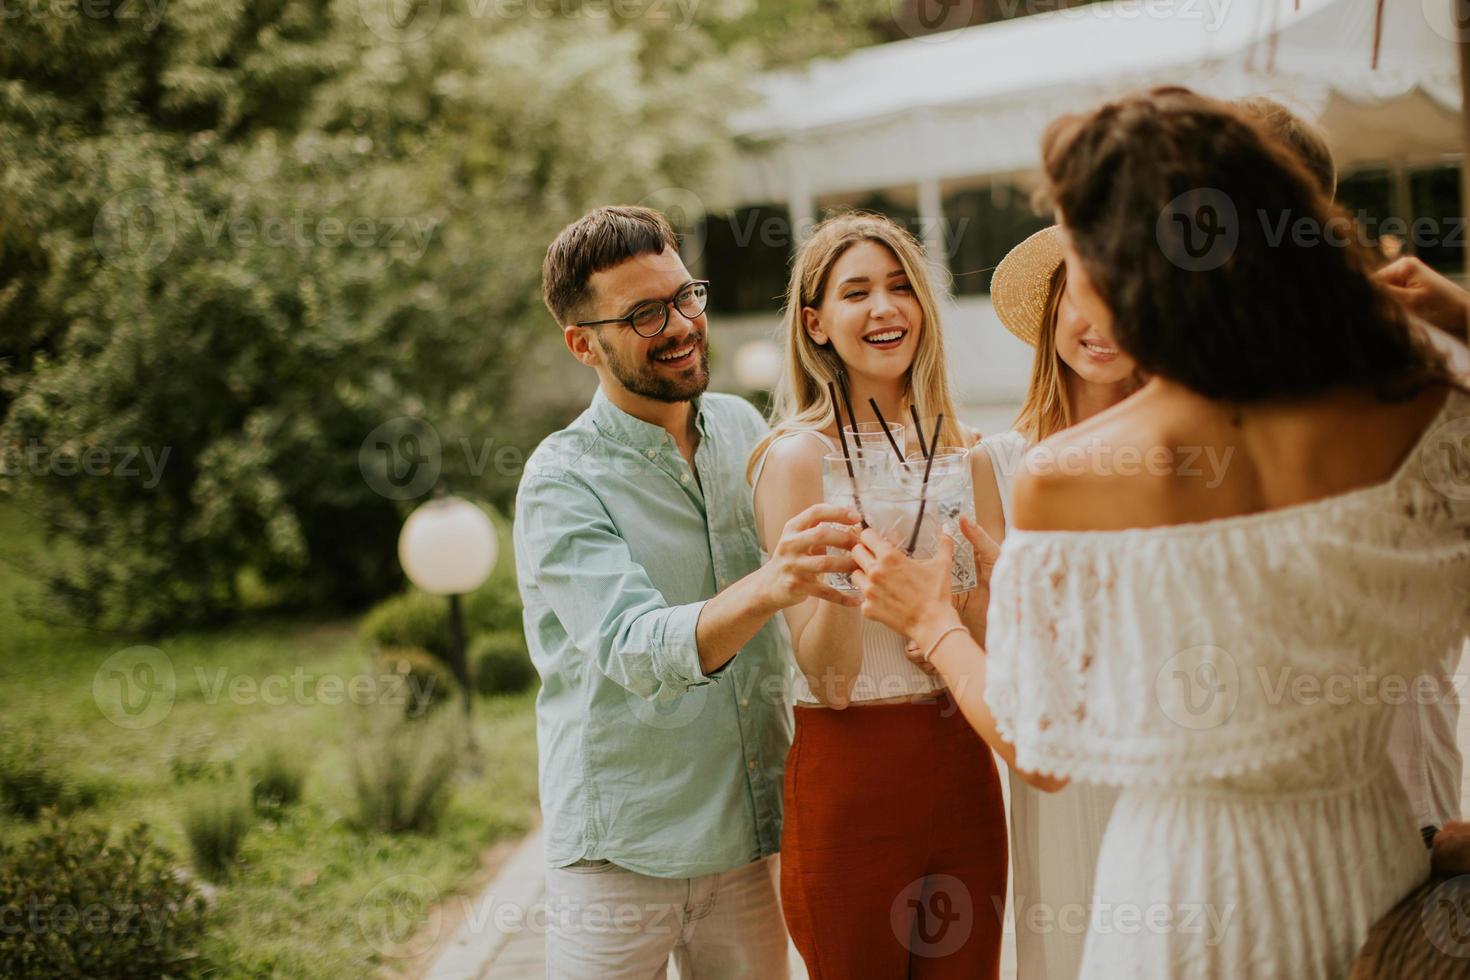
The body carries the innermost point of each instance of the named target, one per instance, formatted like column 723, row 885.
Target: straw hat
column 1022, row 281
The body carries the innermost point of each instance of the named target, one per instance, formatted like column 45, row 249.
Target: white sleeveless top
column 885, row 672
column 1200, row 667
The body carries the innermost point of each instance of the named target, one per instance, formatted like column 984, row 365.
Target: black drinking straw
column 883, row 424
column 919, row 430
column 924, row 489
column 846, row 456
column 851, row 415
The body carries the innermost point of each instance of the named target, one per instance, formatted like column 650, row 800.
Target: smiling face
column 869, row 314
column 1084, row 337
column 1087, row 350
column 671, row 367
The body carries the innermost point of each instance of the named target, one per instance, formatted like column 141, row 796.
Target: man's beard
column 645, row 379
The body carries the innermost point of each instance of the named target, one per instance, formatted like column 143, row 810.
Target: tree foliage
column 239, row 239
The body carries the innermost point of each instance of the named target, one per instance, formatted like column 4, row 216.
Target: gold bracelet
column 940, row 639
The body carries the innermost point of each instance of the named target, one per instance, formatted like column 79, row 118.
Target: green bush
column 412, row 619
column 502, row 665
column 495, row 607
column 215, row 826
column 29, row 784
column 417, row 619
column 276, row 778
column 402, row 776
column 427, row 681
column 87, row 908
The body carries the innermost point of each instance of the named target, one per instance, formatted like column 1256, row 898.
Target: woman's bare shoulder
column 1115, row 470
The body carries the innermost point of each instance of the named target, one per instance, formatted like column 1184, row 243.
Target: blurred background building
column 942, row 131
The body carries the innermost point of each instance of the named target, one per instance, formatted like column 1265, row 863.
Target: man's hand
column 799, row 561
column 1427, row 295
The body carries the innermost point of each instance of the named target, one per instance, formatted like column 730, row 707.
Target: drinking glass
column 869, row 470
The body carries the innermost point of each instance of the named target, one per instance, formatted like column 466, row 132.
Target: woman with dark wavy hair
column 1219, row 644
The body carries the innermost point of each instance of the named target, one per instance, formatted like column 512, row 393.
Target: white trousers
column 606, row 923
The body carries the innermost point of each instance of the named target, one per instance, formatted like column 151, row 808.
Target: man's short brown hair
column 1305, row 139
column 600, row 239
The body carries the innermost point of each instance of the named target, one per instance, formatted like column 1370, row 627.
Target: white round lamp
column 447, row 546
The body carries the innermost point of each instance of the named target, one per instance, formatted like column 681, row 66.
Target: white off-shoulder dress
column 1228, row 677
column 1055, row 837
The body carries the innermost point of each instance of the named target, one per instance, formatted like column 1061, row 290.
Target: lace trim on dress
column 1166, row 656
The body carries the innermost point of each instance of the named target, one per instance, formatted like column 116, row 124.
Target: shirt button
column 745, row 702
column 751, row 765
column 684, row 478
column 651, row 453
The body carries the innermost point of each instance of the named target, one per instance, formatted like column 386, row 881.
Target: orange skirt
column 893, row 850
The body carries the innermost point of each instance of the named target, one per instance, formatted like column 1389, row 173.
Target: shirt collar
column 618, row 424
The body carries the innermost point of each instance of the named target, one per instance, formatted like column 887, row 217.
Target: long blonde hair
column 801, row 399
column 1046, row 409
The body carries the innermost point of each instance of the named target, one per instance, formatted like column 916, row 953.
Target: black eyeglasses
column 649, row 317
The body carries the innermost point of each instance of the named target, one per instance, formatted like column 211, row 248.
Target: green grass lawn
column 307, row 897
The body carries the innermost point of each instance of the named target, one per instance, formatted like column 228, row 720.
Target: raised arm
column 605, row 600
column 826, row 637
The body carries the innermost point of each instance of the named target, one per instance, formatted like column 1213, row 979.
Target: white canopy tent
column 972, row 103
column 975, row 101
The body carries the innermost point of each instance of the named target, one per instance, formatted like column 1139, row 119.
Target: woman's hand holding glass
column 891, row 583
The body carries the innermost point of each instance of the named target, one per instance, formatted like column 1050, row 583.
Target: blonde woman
column 1055, row 837
column 893, row 852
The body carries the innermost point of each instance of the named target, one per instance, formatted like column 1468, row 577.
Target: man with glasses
column 663, row 721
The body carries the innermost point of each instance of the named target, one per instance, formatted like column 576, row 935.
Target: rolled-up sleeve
column 602, row 597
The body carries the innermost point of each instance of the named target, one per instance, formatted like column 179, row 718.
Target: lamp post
column 447, row 547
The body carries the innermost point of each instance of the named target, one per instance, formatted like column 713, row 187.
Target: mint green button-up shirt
column 645, row 760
